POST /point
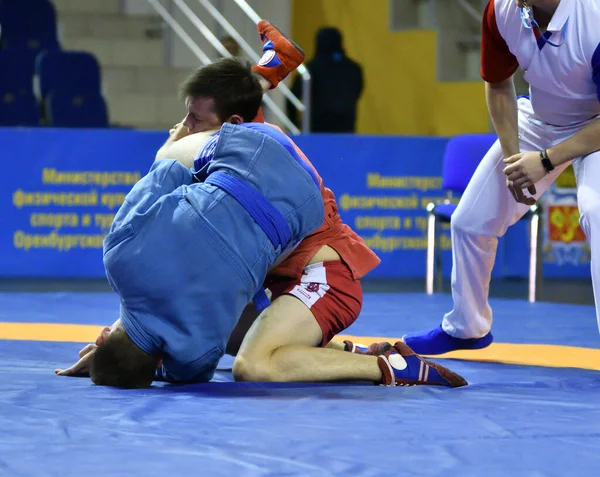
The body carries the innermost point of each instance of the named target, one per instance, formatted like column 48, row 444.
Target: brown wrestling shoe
column 401, row 366
column 280, row 57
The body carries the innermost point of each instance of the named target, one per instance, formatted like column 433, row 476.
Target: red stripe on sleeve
column 497, row 62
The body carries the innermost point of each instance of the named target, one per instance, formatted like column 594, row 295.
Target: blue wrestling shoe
column 437, row 341
column 401, row 366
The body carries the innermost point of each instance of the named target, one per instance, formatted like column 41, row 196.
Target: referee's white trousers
column 487, row 209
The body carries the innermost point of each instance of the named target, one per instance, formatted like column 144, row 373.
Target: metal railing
column 204, row 59
column 470, row 10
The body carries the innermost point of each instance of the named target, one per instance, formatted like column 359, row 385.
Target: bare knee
column 250, row 370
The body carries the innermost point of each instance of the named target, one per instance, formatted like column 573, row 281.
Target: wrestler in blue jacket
column 190, row 248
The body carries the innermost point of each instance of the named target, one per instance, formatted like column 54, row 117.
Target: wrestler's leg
column 336, row 345
column 240, row 331
column 282, row 346
column 281, row 285
column 284, row 343
column 246, row 321
column 281, row 55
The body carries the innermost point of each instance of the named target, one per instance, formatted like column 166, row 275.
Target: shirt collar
column 561, row 15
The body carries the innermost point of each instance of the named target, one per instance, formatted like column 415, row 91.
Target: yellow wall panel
column 402, row 94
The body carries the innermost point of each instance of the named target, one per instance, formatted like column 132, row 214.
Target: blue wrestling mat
column 537, row 418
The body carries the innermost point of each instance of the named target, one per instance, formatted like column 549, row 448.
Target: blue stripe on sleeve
column 596, row 69
column 206, row 153
column 286, row 142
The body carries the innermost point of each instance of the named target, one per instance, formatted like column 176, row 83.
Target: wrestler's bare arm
column 185, row 149
column 82, row 367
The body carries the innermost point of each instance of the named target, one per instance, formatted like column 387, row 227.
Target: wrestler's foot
column 401, row 366
column 437, row 341
column 280, row 57
column 375, row 349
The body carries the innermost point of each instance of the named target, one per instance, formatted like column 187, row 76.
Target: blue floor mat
column 511, row 420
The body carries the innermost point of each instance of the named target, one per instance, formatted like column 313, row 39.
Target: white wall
column 179, row 55
column 136, row 7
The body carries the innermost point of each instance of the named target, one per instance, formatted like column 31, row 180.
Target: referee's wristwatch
column 546, row 161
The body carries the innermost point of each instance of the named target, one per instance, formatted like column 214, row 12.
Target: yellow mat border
column 554, row 356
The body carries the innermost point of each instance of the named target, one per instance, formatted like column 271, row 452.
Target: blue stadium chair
column 70, row 86
column 76, row 72
column 28, row 25
column 76, row 110
column 463, row 155
column 16, row 71
column 18, row 106
column 18, row 110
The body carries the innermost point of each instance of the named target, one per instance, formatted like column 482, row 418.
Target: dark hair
column 231, row 83
column 119, row 362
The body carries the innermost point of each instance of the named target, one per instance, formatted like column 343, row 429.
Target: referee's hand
column 523, row 171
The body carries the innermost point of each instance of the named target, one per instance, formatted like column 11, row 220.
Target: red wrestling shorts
column 328, row 290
